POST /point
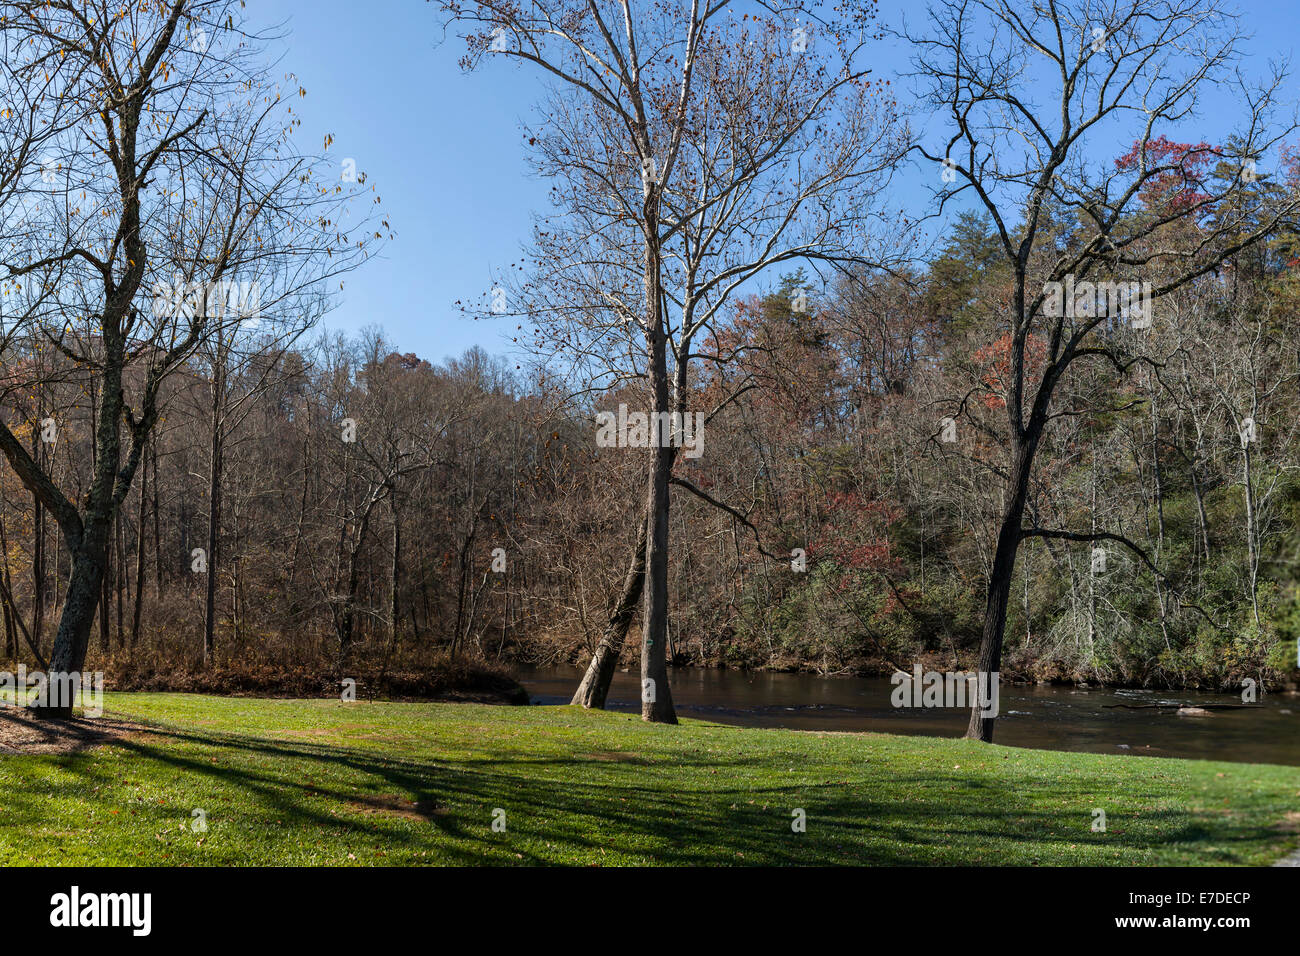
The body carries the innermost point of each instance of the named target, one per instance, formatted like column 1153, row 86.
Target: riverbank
column 442, row 679
column 230, row 781
column 1016, row 670
column 1036, row 716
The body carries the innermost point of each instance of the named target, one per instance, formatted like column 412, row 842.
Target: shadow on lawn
column 684, row 811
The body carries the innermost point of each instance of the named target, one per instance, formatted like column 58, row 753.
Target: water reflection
column 1052, row 718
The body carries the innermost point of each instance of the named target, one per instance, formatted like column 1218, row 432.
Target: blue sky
column 444, row 151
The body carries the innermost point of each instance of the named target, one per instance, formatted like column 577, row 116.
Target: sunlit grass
column 323, row 782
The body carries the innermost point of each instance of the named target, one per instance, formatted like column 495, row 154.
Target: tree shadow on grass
column 697, row 809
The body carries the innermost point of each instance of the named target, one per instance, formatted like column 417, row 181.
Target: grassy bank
column 322, row 782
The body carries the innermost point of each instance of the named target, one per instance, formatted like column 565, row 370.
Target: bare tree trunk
column 120, row 580
column 302, row 517
column 1092, row 572
column 1252, row 544
column 1203, row 522
column 1000, row 580
column 594, row 689
column 656, row 697
column 465, row 572
column 347, row 620
column 105, row 596
column 214, row 509
column 89, row 561
column 396, row 576
column 157, row 524
column 140, row 542
column 11, row 632
column 38, row 551
column 1158, row 476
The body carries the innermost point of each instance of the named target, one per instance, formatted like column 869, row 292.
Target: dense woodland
column 382, row 550
column 906, row 452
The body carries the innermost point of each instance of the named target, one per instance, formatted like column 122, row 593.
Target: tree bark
column 73, row 636
column 1010, row 534
column 141, row 539
column 214, row 510
column 105, row 597
column 88, row 537
column 157, row 524
column 11, row 632
column 396, row 575
column 38, row 552
column 594, row 689
column 656, row 696
column 120, row 579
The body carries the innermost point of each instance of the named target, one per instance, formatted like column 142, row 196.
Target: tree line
column 1051, row 442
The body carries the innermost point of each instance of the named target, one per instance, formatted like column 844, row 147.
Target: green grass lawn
column 323, row 782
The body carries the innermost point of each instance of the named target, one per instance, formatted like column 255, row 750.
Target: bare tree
column 1116, row 71
column 152, row 175
column 692, row 148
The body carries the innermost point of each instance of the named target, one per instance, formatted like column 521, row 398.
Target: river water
column 1042, row 716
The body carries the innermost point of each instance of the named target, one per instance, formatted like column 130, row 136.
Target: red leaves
column 856, row 533
column 1177, row 187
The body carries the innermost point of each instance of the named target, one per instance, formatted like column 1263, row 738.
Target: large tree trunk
column 656, row 697
column 1000, row 580
column 73, row 637
column 88, row 539
column 594, row 689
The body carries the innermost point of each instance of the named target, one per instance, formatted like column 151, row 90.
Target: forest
column 630, row 433
column 840, row 518
column 754, row 409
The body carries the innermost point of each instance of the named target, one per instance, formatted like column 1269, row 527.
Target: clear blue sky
column 444, row 151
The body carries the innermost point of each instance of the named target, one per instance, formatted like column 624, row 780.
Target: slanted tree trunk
column 1010, row 534
column 89, row 560
column 88, row 535
column 594, row 689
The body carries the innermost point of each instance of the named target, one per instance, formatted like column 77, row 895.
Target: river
column 1041, row 716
